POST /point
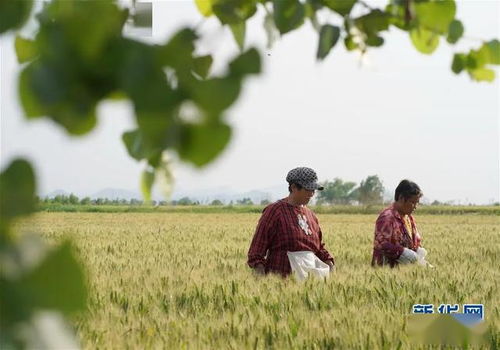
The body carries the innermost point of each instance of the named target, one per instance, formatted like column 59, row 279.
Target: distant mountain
column 56, row 193
column 227, row 195
column 204, row 196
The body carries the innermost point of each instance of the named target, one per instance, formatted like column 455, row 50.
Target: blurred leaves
column 58, row 282
column 73, row 70
column 17, row 191
column 426, row 21
column 25, row 49
column 477, row 62
column 13, row 14
column 370, row 25
column 54, row 282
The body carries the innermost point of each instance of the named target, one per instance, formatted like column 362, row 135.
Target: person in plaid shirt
column 288, row 226
column 397, row 240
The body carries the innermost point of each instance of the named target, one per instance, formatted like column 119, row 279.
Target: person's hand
column 260, row 269
column 408, row 257
column 421, row 252
column 331, row 264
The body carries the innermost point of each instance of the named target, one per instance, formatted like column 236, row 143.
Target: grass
column 180, row 281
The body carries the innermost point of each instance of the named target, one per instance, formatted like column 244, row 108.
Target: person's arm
column 322, row 253
column 261, row 240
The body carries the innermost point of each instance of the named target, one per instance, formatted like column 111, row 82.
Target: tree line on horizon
column 336, row 192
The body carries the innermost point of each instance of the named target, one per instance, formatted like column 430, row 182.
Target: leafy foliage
column 477, row 62
column 72, row 71
column 13, row 14
column 32, row 278
column 426, row 22
column 337, row 192
column 370, row 191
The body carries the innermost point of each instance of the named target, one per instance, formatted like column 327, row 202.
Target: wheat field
column 180, row 281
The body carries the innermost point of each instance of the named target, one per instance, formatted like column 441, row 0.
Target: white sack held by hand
column 304, row 263
column 407, row 257
column 422, row 253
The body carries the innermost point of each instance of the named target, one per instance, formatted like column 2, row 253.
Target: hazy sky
column 400, row 115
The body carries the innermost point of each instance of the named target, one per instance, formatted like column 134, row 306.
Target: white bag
column 422, row 253
column 305, row 262
column 409, row 257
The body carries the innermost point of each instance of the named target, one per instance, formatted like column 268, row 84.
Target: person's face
column 409, row 205
column 303, row 196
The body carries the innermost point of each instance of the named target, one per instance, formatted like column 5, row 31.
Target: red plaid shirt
column 282, row 228
column 391, row 237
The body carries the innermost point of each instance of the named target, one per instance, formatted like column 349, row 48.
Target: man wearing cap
column 288, row 226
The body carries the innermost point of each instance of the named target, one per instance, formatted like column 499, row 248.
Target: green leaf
column 424, row 41
column 178, row 52
column 490, row 51
column 29, row 102
column 57, row 91
column 238, row 30
column 246, row 63
column 84, row 27
column 342, row 7
column 398, row 16
column 216, row 94
column 13, row 14
column 435, row 16
column 147, row 181
column 350, row 44
column 234, row 11
column 328, row 37
column 373, row 22
column 288, row 15
column 375, row 41
column 455, row 31
column 57, row 283
column 17, row 190
column 138, row 146
column 205, row 7
column 482, row 74
column 202, row 143
column 25, row 49
column 201, row 65
column 459, row 63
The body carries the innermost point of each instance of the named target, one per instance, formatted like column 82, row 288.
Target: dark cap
column 305, row 177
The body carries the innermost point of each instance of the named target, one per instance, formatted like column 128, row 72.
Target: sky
column 396, row 113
